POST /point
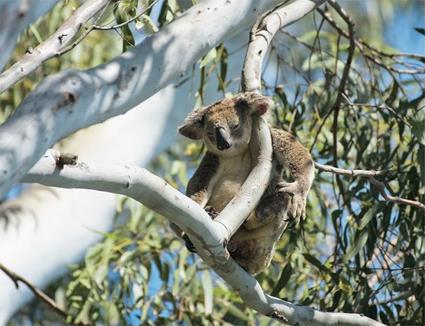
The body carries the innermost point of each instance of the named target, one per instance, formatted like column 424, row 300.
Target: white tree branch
column 46, row 50
column 30, row 230
column 370, row 175
column 15, row 16
column 70, row 100
column 248, row 197
column 206, row 234
column 30, row 223
column 262, row 34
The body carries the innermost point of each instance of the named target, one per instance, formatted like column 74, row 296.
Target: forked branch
column 207, row 235
column 370, row 175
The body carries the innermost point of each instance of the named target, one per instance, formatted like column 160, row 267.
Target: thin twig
column 37, row 292
column 102, row 28
column 106, row 28
column 345, row 73
column 340, row 92
column 362, row 45
column 370, row 175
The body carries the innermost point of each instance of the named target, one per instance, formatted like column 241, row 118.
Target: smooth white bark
column 15, row 16
column 46, row 50
column 50, row 228
column 68, row 216
column 208, row 235
column 260, row 40
column 70, row 100
column 193, row 218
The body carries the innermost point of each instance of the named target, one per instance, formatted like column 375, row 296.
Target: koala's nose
column 222, row 139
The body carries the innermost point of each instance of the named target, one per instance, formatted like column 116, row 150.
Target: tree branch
column 207, row 234
column 248, row 197
column 262, row 34
column 370, row 174
column 101, row 28
column 48, row 49
column 36, row 291
column 15, row 16
column 71, row 100
column 362, row 46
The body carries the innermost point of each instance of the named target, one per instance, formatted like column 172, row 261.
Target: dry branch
column 36, row 291
column 370, row 52
column 101, row 28
column 370, row 175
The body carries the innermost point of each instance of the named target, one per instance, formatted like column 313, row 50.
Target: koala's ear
column 192, row 125
column 256, row 103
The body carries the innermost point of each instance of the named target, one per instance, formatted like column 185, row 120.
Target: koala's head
column 226, row 126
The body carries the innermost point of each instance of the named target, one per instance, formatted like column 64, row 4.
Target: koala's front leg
column 291, row 154
column 199, row 190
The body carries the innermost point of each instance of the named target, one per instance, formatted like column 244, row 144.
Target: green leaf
column 147, row 24
column 371, row 213
column 283, row 279
column 420, row 30
column 208, row 291
column 315, row 262
column 357, row 246
column 235, row 311
column 209, row 57
column 418, row 127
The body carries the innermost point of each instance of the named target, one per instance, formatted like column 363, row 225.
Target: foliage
column 354, row 252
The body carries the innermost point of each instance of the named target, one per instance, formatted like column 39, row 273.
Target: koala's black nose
column 222, row 139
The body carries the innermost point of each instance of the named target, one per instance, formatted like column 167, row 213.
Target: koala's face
column 226, row 126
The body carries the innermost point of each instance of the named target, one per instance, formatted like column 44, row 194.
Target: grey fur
column 222, row 172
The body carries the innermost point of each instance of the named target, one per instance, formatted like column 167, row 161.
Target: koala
column 226, row 128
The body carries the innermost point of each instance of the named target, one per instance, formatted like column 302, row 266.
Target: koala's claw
column 296, row 202
column 211, row 211
column 288, row 187
column 188, row 243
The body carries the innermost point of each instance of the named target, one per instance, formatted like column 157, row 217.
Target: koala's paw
column 211, row 212
column 297, row 200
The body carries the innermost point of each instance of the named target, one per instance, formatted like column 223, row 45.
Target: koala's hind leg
column 271, row 207
column 294, row 156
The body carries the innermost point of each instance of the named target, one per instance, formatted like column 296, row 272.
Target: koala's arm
column 295, row 157
column 201, row 184
column 199, row 190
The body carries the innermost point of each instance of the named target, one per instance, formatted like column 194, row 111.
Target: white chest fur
column 231, row 174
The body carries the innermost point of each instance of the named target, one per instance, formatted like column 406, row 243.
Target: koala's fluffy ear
column 256, row 103
column 192, row 125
